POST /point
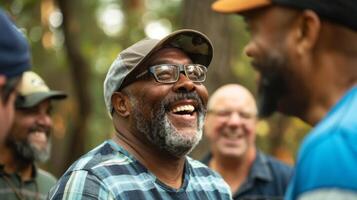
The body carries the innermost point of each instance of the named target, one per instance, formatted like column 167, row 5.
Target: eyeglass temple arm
column 141, row 74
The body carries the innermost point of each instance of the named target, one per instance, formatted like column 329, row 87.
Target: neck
column 338, row 74
column 12, row 165
column 233, row 170
column 166, row 168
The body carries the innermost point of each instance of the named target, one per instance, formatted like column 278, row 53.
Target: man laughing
column 28, row 142
column 155, row 96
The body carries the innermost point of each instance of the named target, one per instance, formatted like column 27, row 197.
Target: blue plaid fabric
column 110, row 172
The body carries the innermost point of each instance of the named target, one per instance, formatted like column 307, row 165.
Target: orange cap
column 237, row 6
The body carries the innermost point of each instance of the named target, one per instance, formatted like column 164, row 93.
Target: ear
column 121, row 105
column 2, row 80
column 2, row 83
column 307, row 31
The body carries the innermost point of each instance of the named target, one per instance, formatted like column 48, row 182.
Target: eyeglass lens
column 170, row 73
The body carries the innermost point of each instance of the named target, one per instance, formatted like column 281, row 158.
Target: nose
column 44, row 119
column 234, row 120
column 184, row 84
column 249, row 49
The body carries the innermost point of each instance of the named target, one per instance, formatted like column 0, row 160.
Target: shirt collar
column 260, row 168
column 33, row 176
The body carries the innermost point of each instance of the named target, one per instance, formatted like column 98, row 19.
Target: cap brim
column 196, row 45
column 36, row 98
column 238, row 6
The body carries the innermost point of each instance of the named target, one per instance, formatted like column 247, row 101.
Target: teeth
column 187, row 108
column 39, row 132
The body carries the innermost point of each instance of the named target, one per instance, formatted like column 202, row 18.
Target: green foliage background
column 278, row 135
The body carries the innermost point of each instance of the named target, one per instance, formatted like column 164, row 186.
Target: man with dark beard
column 155, row 95
column 305, row 51
column 28, row 142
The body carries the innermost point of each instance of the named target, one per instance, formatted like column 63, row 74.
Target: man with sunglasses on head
column 306, row 54
column 14, row 60
column 155, row 96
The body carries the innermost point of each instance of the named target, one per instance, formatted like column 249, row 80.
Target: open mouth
column 39, row 139
column 233, row 134
column 183, row 114
column 39, row 131
column 183, row 109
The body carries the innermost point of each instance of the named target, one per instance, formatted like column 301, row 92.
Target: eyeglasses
column 227, row 114
column 170, row 73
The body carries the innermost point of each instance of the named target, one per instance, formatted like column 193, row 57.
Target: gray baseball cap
column 33, row 90
column 194, row 43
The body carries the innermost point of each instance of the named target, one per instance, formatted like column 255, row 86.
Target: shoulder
column 44, row 176
column 91, row 173
column 278, row 166
column 103, row 156
column 201, row 169
column 44, row 181
column 327, row 157
column 275, row 173
column 203, row 177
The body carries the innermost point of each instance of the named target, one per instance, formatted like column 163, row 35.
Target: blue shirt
column 110, row 172
column 327, row 162
column 267, row 179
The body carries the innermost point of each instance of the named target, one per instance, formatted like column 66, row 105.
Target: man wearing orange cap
column 305, row 52
column 28, row 142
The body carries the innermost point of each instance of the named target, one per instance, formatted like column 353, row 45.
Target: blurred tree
column 73, row 44
column 80, row 71
column 199, row 16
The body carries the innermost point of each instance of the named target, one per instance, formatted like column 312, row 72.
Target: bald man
column 230, row 127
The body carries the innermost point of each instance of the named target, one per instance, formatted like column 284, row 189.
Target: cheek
column 202, row 93
column 257, row 46
column 22, row 125
column 214, row 129
column 250, row 130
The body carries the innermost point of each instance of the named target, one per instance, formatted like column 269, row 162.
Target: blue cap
column 14, row 49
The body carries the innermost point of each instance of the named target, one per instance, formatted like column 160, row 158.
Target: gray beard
column 29, row 153
column 160, row 132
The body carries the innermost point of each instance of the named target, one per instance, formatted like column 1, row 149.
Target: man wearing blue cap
column 305, row 52
column 14, row 60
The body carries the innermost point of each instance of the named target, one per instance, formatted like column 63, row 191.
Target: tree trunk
column 199, row 16
column 80, row 71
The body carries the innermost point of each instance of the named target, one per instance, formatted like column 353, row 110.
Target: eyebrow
column 161, row 61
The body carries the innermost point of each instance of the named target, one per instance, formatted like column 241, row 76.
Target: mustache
column 200, row 107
